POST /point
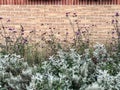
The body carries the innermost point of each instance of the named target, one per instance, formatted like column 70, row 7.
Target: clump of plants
column 79, row 39
column 65, row 70
column 16, row 41
column 13, row 40
column 114, row 43
column 72, row 71
column 81, row 35
column 15, row 73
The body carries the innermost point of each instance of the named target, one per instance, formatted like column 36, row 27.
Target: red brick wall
column 59, row 2
column 42, row 17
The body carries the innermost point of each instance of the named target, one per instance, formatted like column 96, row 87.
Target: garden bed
column 53, row 64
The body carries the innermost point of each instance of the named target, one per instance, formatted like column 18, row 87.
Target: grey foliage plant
column 72, row 71
column 15, row 73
